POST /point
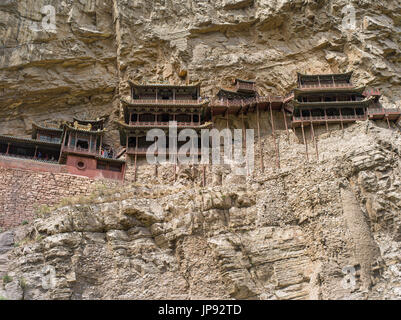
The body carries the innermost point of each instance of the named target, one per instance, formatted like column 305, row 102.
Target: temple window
column 147, row 117
column 83, row 144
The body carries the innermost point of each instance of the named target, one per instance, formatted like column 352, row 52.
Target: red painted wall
column 89, row 169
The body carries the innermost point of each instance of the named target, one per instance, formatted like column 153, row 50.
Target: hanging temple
column 78, row 146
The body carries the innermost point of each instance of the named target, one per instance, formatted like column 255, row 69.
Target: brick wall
column 23, row 191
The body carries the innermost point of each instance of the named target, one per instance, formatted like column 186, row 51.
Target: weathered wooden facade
column 77, row 146
column 332, row 98
column 155, row 106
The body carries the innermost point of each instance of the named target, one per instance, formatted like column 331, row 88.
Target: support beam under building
column 285, row 122
column 136, row 156
column 314, row 140
column 274, row 138
column 260, row 140
column 305, row 142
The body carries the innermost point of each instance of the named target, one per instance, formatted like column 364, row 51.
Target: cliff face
column 82, row 67
column 327, row 229
column 324, row 229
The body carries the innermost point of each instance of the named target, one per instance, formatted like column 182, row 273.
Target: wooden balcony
column 152, row 124
column 298, row 121
column 79, row 150
column 157, row 102
column 326, row 85
column 143, row 150
column 371, row 92
column 244, row 86
column 382, row 113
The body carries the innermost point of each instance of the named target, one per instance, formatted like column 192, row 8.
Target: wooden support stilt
column 388, row 122
column 136, row 156
column 260, row 141
column 175, row 166
column 156, row 171
column 36, row 152
column 325, row 117
column 274, row 138
column 8, row 149
column 314, row 140
column 211, row 115
column 204, row 176
column 341, row 120
column 286, row 125
column 244, row 140
column 305, row 142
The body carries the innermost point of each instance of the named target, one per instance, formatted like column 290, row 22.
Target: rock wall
column 23, row 192
column 324, row 229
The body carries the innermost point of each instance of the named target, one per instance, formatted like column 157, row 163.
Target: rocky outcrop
column 326, row 229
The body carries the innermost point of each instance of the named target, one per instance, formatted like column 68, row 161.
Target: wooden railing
column 323, row 118
column 326, row 85
column 17, row 156
column 143, row 150
column 167, row 102
column 384, row 111
column 245, row 86
column 80, row 150
column 371, row 92
column 162, row 124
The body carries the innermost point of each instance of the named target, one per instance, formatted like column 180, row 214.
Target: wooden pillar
column 341, row 120
column 175, row 165
column 36, row 152
column 388, row 122
column 130, row 117
column 325, row 117
column 274, row 138
column 100, row 146
column 204, row 175
column 285, row 122
column 157, row 94
column 260, row 141
column 199, row 118
column 136, row 156
column 227, row 117
column 244, row 140
column 314, row 140
column 8, row 148
column 76, row 138
column 305, row 142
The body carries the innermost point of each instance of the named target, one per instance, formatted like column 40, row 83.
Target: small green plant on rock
column 22, row 283
column 7, row 279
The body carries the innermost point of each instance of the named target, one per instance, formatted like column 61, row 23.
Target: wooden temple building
column 76, row 146
column 242, row 99
column 332, row 98
column 155, row 106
